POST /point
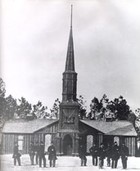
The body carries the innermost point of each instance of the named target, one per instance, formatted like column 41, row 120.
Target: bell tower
column 69, row 107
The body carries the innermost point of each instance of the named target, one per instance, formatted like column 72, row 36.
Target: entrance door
column 67, row 145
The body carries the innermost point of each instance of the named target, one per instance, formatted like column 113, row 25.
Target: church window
column 89, row 142
column 20, row 142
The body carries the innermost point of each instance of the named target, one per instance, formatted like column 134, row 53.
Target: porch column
column 75, row 144
column 59, row 144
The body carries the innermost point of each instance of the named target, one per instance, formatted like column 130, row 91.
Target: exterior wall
column 8, row 141
column 24, row 143
column 88, row 136
column 24, row 140
column 58, row 139
column 131, row 144
column 98, row 137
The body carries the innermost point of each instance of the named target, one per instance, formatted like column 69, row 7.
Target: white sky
column 106, row 42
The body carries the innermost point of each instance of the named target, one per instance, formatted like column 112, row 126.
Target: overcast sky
column 106, row 43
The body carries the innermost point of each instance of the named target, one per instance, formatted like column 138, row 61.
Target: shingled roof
column 117, row 128
column 26, row 127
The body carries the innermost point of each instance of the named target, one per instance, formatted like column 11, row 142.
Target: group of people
column 111, row 153
column 37, row 154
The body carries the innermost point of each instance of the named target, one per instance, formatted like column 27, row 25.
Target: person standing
column 16, row 155
column 115, row 155
column 52, row 154
column 36, row 148
column 32, row 153
column 94, row 153
column 42, row 154
column 124, row 152
column 101, row 156
column 82, row 155
column 108, row 155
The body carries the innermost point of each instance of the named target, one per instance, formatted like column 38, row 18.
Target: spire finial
column 71, row 16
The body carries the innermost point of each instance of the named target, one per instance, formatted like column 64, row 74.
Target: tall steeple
column 70, row 51
column 69, row 75
column 69, row 107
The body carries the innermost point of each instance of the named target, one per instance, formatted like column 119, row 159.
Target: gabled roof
column 26, row 127
column 120, row 128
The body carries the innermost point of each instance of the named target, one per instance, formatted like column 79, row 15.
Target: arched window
column 47, row 141
column 117, row 139
column 89, row 142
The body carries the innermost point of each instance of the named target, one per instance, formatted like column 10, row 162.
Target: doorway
column 67, row 145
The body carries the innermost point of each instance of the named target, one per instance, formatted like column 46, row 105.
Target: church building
column 68, row 131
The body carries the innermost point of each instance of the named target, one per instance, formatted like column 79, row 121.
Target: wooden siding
column 8, row 141
column 130, row 141
column 131, row 144
column 26, row 143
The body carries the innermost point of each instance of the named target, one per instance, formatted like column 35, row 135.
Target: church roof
column 116, row 128
column 26, row 127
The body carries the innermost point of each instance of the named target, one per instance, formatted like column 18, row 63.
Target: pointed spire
column 70, row 51
column 71, row 17
column 69, row 76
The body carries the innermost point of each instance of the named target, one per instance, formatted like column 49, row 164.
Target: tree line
column 11, row 108
column 112, row 110
column 100, row 109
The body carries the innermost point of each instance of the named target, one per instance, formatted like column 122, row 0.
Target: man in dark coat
column 82, row 155
column 101, row 155
column 41, row 154
column 115, row 155
column 36, row 149
column 124, row 152
column 108, row 154
column 94, row 153
column 16, row 155
column 52, row 154
column 32, row 153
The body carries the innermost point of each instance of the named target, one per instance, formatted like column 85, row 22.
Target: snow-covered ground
column 63, row 164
